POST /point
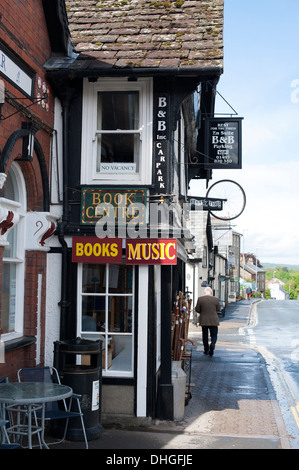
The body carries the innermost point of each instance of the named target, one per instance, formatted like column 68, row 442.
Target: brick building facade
column 27, row 111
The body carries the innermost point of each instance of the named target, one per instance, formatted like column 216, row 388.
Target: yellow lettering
column 128, row 199
column 97, row 248
column 106, row 212
column 90, row 208
column 155, row 251
column 162, row 250
column 105, row 249
column 144, row 255
column 96, row 198
column 79, row 249
column 114, row 249
column 107, row 196
column 134, row 253
column 88, row 249
column 118, row 199
column 167, row 250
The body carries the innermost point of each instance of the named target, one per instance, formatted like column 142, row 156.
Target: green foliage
column 267, row 294
column 289, row 276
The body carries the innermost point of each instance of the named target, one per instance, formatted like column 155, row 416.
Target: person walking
column 249, row 292
column 208, row 307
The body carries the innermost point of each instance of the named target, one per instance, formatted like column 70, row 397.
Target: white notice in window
column 95, row 395
column 118, row 167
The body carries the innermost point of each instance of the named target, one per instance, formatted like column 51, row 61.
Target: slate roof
column 251, row 268
column 147, row 34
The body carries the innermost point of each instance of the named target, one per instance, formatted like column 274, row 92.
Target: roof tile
column 145, row 33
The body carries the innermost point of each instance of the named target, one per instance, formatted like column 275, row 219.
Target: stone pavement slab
column 233, row 404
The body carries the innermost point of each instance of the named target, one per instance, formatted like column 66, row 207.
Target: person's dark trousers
column 205, row 337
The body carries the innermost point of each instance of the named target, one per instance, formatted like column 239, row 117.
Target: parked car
column 221, row 312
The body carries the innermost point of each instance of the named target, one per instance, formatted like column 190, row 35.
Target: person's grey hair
column 208, row 291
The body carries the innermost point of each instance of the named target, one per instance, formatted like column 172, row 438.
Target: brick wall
column 23, row 31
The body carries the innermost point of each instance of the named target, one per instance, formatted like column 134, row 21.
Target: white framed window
column 106, row 312
column 117, row 131
column 13, row 270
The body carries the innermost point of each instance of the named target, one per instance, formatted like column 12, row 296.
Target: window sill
column 113, row 179
column 18, row 343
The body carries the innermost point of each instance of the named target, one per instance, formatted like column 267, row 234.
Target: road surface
column 274, row 330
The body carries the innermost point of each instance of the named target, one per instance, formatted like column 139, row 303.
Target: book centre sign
column 138, row 251
column 121, row 205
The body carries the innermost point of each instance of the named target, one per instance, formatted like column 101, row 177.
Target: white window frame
column 89, row 175
column 19, row 260
column 94, row 335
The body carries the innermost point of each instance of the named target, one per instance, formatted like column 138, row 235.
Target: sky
column 261, row 82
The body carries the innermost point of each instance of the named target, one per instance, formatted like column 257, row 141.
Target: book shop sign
column 123, row 205
column 137, row 251
column 223, row 143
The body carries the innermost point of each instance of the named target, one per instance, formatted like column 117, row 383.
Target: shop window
column 106, row 312
column 117, row 132
column 12, row 289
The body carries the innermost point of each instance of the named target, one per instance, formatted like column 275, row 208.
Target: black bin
column 79, row 364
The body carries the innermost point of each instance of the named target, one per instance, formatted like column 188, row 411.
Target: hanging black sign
column 206, row 204
column 223, row 143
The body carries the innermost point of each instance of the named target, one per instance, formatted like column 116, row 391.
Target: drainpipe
column 65, row 96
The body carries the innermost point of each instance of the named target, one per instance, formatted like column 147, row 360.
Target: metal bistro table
column 28, row 397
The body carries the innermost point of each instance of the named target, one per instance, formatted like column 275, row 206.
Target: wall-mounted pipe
column 65, row 96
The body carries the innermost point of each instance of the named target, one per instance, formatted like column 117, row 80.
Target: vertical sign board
column 161, row 144
column 223, row 143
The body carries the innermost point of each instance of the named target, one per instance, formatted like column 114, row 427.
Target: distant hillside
column 295, row 267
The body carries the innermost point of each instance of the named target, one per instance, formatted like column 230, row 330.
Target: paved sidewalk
column 233, row 405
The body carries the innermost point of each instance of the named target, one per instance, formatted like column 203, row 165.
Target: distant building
column 276, row 289
column 227, row 243
column 255, row 274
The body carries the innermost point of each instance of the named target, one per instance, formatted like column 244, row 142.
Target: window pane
column 10, row 251
column 11, row 188
column 118, row 110
column 8, row 297
column 120, row 279
column 120, row 353
column 93, row 313
column 94, row 278
column 117, row 148
column 120, row 314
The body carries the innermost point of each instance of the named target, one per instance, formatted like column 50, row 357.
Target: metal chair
column 52, row 410
column 7, row 444
column 4, row 380
column 3, row 423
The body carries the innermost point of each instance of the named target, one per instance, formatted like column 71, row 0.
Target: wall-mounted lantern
column 28, row 141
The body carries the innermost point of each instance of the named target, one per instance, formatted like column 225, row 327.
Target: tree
column 251, row 258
